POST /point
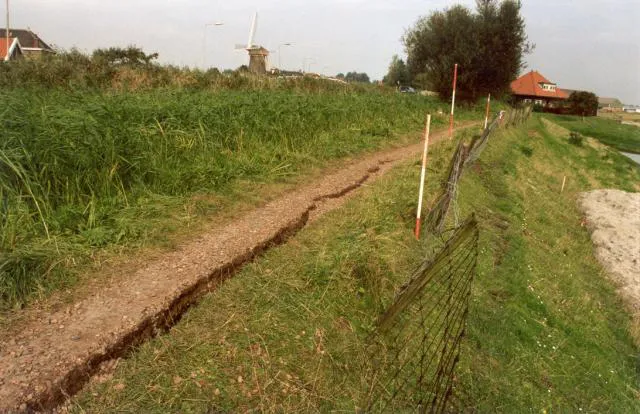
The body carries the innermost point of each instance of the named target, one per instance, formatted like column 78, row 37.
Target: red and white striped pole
column 486, row 115
column 422, row 175
column 453, row 99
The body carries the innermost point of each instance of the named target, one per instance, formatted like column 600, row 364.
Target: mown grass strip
column 288, row 334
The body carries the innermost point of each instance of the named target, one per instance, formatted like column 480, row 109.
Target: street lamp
column 280, row 53
column 204, row 42
column 304, row 63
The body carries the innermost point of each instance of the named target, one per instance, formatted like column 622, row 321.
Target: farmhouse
column 30, row 43
column 609, row 104
column 535, row 88
column 14, row 51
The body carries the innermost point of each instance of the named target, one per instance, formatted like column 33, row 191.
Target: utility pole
column 304, row 63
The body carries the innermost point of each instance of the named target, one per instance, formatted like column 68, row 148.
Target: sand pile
column 613, row 216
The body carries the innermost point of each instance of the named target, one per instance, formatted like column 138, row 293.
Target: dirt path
column 55, row 354
column 613, row 216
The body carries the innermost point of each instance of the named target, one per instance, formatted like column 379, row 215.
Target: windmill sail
column 252, row 31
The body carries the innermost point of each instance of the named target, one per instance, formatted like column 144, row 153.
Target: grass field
column 620, row 116
column 608, row 131
column 85, row 171
column 546, row 331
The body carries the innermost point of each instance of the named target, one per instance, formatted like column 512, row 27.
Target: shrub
column 575, row 139
column 527, row 151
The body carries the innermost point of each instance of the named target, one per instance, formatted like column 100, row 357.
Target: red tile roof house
column 30, row 43
column 535, row 88
column 14, row 51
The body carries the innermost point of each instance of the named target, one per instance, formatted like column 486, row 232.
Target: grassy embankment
column 546, row 330
column 85, row 172
column 610, row 132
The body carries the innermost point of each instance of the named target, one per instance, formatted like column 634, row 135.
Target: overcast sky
column 581, row 44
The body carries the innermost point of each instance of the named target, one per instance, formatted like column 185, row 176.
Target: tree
column 131, row 56
column 583, row 103
column 356, row 77
column 503, row 45
column 398, row 73
column 489, row 47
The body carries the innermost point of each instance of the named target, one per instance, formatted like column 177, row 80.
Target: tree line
column 354, row 77
column 489, row 45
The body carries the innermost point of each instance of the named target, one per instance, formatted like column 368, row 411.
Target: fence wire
column 462, row 158
column 417, row 344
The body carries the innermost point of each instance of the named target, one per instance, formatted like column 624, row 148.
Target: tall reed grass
column 81, row 168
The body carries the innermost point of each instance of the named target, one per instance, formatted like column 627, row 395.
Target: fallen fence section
column 417, row 343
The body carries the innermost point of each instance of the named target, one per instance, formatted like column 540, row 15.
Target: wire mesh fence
column 417, row 344
column 462, row 158
column 438, row 214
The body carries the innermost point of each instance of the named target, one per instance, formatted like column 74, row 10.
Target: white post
column 422, row 175
column 7, row 33
column 486, row 115
column 453, row 99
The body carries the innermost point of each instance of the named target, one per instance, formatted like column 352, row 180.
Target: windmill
column 257, row 54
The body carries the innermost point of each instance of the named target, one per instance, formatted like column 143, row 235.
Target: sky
column 580, row 44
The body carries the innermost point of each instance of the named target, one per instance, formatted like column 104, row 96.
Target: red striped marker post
column 453, row 99
column 486, row 115
column 422, row 175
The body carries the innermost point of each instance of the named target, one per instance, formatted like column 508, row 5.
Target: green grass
column 546, row 330
column 84, row 171
column 610, row 132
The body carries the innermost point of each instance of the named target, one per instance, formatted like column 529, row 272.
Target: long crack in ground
column 56, row 354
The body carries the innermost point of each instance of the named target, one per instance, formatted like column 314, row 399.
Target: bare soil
column 613, row 216
column 49, row 355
